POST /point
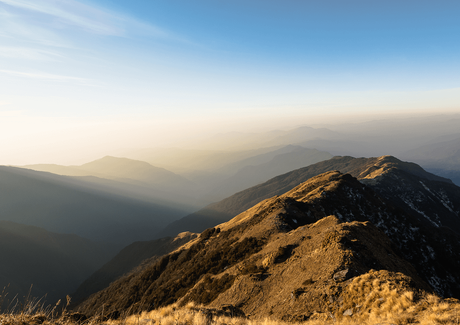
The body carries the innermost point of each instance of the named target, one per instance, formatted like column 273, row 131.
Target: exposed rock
column 348, row 312
column 342, row 275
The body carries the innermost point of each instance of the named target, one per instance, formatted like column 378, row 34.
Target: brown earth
column 421, row 214
column 287, row 257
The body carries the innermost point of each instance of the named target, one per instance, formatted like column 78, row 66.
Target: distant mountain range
column 65, row 205
column 260, row 168
column 190, row 161
column 47, row 264
column 441, row 156
column 406, row 137
column 124, row 169
column 316, row 249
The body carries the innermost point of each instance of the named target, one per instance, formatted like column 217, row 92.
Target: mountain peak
column 385, row 164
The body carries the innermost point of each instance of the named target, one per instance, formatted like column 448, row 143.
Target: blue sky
column 90, row 70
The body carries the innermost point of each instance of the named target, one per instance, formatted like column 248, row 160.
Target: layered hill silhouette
column 412, row 191
column 115, row 168
column 317, row 249
column 65, row 205
column 260, row 168
column 47, row 264
column 441, row 156
column 191, row 161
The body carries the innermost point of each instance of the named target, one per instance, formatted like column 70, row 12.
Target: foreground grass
column 397, row 310
column 365, row 302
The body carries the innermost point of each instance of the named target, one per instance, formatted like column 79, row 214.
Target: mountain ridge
column 315, row 239
column 228, row 208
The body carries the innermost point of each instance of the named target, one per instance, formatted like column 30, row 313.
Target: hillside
column 64, row 205
column 226, row 209
column 308, row 252
column 136, row 256
column 53, row 264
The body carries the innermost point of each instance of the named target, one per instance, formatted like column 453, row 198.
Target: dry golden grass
column 367, row 300
column 394, row 308
column 34, row 312
column 373, row 301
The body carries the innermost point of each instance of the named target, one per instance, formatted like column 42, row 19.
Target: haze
column 83, row 79
column 123, row 122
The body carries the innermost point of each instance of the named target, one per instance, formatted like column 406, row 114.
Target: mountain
column 191, row 161
column 365, row 138
column 453, row 175
column 134, row 257
column 236, row 141
column 115, row 168
column 228, row 208
column 124, row 168
column 258, row 169
column 444, row 150
column 234, row 167
column 441, row 156
column 44, row 262
column 65, row 205
column 182, row 199
column 329, row 247
column 218, row 174
column 305, row 133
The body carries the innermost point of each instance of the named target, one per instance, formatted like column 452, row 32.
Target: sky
column 79, row 79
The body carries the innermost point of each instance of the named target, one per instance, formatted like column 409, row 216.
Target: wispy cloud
column 71, row 13
column 18, row 28
column 49, row 77
column 95, row 20
column 28, row 53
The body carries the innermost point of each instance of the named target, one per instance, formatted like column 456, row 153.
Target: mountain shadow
column 48, row 264
column 61, row 204
column 132, row 258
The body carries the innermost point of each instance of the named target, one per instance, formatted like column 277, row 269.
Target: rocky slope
column 298, row 255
